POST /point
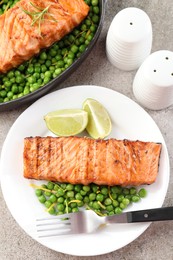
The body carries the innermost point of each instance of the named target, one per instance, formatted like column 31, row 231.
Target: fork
column 88, row 221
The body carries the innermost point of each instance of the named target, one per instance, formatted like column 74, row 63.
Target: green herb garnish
column 38, row 16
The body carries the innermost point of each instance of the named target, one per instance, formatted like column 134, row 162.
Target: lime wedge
column 66, row 122
column 99, row 122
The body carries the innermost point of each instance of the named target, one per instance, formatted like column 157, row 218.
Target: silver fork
column 88, row 221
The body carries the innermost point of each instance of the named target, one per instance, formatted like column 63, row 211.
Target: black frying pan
column 46, row 88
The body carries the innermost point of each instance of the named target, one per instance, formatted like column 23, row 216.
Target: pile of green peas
column 50, row 63
column 61, row 198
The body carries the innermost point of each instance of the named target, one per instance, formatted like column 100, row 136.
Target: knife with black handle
column 147, row 215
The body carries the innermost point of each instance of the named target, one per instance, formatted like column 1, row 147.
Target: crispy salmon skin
column 21, row 38
column 80, row 160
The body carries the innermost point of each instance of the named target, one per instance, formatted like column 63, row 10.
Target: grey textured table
column 157, row 241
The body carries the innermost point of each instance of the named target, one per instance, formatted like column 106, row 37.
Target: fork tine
column 66, row 227
column 61, row 222
column 54, row 226
column 56, row 234
column 63, row 216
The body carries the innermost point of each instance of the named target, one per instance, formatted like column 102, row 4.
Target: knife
column 147, row 215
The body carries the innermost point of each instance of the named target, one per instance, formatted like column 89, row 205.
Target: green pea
column 58, row 57
column 78, row 196
column 10, row 74
column 6, row 99
column 116, row 189
column 60, row 207
column 69, row 187
column 52, row 52
column 126, row 201
column 19, row 79
column 122, row 205
column 129, row 197
column 3, row 93
column 107, row 201
column 7, row 83
column 56, row 187
column 92, row 196
column 60, row 200
column 46, row 80
column 57, row 72
column 95, row 18
column 120, row 198
column 60, row 212
column 86, row 188
column 114, row 196
column 47, row 193
column 43, row 68
column 48, row 63
column 96, row 10
column 74, row 49
column 86, row 199
column 60, row 192
column 142, row 193
column 83, row 193
column 90, row 204
column 94, row 2
column 75, row 210
column 135, row 198
column 110, row 213
column 38, row 192
column 100, row 197
column 104, row 191
column 115, row 203
column 10, row 94
column 26, row 91
column 109, row 208
column 78, row 187
column 96, row 205
column 43, row 56
column 82, row 48
column 42, row 198
column 88, row 2
column 17, row 73
column 118, row 210
column 60, row 64
column 48, row 203
column 133, row 191
column 53, row 198
column 31, row 80
column 73, row 205
column 70, row 194
column 52, row 211
column 126, row 191
column 21, row 67
column 80, row 204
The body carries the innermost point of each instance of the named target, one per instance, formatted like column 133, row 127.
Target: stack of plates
column 129, row 39
column 153, row 82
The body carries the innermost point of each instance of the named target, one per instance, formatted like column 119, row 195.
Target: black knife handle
column 158, row 214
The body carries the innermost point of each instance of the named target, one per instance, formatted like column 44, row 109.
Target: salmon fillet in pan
column 85, row 160
column 21, row 38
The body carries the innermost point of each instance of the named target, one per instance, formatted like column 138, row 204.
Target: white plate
column 129, row 121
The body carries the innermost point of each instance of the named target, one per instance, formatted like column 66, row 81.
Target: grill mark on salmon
column 80, row 160
column 21, row 40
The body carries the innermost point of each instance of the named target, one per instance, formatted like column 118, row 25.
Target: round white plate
column 129, row 121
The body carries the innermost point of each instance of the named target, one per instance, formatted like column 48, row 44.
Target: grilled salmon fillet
column 21, row 37
column 80, row 160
